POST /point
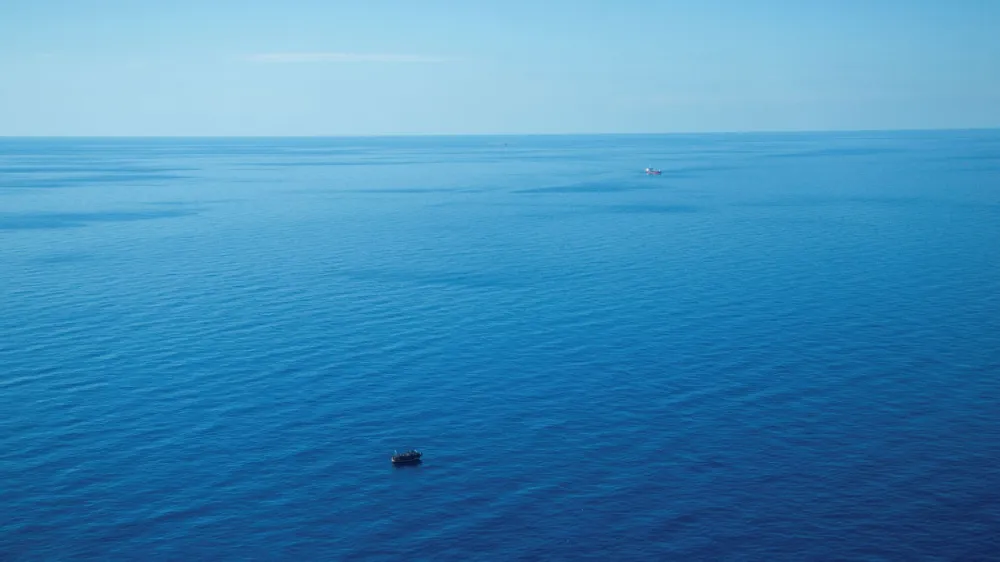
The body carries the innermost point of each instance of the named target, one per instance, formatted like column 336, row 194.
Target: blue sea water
column 786, row 347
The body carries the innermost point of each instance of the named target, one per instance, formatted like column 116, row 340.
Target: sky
column 377, row 67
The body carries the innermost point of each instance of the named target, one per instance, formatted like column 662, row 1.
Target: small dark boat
column 406, row 457
column 653, row 172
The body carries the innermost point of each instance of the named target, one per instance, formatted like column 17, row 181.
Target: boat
column 653, row 172
column 406, row 457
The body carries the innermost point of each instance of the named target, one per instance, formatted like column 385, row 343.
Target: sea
column 785, row 347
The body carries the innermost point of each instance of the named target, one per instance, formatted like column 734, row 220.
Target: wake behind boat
column 411, row 456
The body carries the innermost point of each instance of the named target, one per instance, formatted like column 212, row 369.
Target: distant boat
column 653, row 172
column 406, row 457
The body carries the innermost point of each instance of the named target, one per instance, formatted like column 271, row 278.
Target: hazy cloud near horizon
column 343, row 57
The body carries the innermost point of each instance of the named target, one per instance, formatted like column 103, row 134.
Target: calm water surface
column 786, row 347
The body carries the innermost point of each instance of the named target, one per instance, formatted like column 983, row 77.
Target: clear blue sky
column 339, row 67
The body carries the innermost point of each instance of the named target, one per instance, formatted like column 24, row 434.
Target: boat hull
column 408, row 457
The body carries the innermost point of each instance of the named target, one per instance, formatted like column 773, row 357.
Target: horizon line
column 588, row 134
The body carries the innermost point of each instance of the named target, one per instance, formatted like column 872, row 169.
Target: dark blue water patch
column 375, row 160
column 408, row 190
column 854, row 201
column 57, row 182
column 534, row 157
column 63, row 257
column 413, row 277
column 191, row 202
column 55, row 220
column 557, row 210
column 49, row 166
column 971, row 157
column 609, row 186
column 550, row 208
column 834, row 152
column 988, row 168
column 972, row 163
column 695, row 171
column 375, row 191
column 337, row 164
column 331, row 150
column 642, row 208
